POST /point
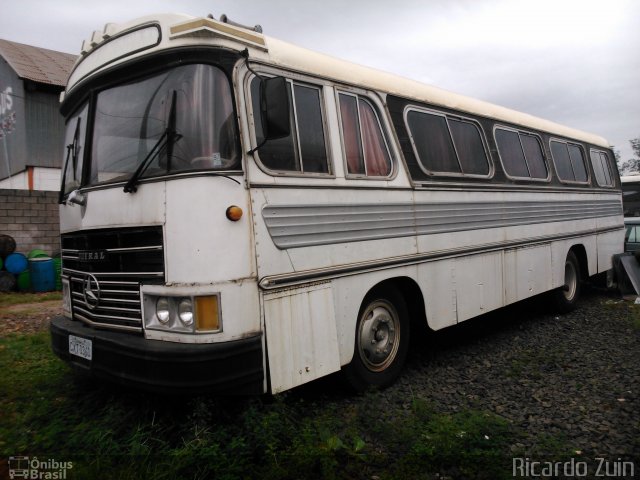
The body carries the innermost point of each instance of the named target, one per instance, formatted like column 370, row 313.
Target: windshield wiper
column 167, row 140
column 72, row 147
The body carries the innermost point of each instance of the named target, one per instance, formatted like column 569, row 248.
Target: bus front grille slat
column 106, row 268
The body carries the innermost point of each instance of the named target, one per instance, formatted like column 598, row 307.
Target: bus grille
column 105, row 269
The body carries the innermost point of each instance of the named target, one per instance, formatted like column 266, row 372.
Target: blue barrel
column 43, row 274
column 16, row 263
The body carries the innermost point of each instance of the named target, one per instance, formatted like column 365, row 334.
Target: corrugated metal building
column 31, row 127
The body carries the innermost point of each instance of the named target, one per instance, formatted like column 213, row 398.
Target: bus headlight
column 185, row 312
column 181, row 314
column 162, row 310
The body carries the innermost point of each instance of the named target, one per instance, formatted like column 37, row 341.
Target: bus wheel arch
column 566, row 297
column 382, row 333
column 581, row 254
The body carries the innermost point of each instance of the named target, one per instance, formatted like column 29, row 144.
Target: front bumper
column 234, row 367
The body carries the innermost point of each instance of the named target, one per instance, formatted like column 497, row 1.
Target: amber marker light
column 234, row 213
column 207, row 313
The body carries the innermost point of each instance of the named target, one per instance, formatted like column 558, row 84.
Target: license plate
column 80, row 347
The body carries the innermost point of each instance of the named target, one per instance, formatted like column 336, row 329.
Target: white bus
column 239, row 214
column 631, row 194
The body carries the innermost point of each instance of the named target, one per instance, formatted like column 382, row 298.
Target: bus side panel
column 436, row 279
column 462, row 288
column 478, row 283
column 527, row 272
column 302, row 340
column 609, row 244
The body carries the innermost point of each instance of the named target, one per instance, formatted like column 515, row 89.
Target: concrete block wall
column 31, row 217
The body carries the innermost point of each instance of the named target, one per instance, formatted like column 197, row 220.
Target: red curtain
column 375, row 150
column 351, row 134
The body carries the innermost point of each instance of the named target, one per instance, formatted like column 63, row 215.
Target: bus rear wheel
column 566, row 297
column 381, row 343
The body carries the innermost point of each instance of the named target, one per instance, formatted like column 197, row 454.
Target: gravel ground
column 28, row 318
column 575, row 376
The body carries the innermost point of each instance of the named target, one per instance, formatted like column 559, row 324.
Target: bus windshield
column 74, row 147
column 131, row 119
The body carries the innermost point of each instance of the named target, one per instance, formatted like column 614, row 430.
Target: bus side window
column 601, row 168
column 365, row 148
column 578, row 163
column 569, row 161
column 521, row 154
column 447, row 145
column 304, row 150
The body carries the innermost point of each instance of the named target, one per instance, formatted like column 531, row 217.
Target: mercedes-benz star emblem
column 91, row 291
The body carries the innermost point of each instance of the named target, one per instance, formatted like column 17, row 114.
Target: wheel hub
column 378, row 336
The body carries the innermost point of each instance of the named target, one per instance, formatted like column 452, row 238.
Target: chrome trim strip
column 150, row 248
column 134, row 293
column 272, row 282
column 105, row 317
column 107, row 282
column 113, row 300
column 107, row 326
column 117, row 274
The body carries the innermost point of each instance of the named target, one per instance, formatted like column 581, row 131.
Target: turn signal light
column 207, row 313
column 234, row 213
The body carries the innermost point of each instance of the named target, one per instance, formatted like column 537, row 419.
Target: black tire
column 381, row 343
column 566, row 297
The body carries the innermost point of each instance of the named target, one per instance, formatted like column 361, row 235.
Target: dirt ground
column 28, row 317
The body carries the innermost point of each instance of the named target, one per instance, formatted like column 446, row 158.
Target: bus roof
column 297, row 58
column 179, row 28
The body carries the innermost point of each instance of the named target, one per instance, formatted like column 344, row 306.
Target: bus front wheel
column 382, row 340
column 566, row 297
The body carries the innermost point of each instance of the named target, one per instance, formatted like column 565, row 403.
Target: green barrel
column 24, row 281
column 57, row 263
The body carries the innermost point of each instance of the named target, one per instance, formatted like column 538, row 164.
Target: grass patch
column 631, row 309
column 8, row 299
column 467, row 444
column 532, row 362
column 49, row 412
column 635, row 316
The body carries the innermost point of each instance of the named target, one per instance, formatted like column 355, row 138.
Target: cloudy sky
column 576, row 62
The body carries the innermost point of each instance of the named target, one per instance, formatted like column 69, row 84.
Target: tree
column 635, row 145
column 633, row 164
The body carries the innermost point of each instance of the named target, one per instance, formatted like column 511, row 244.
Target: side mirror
column 274, row 103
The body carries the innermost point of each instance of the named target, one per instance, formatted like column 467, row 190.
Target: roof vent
column 225, row 19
